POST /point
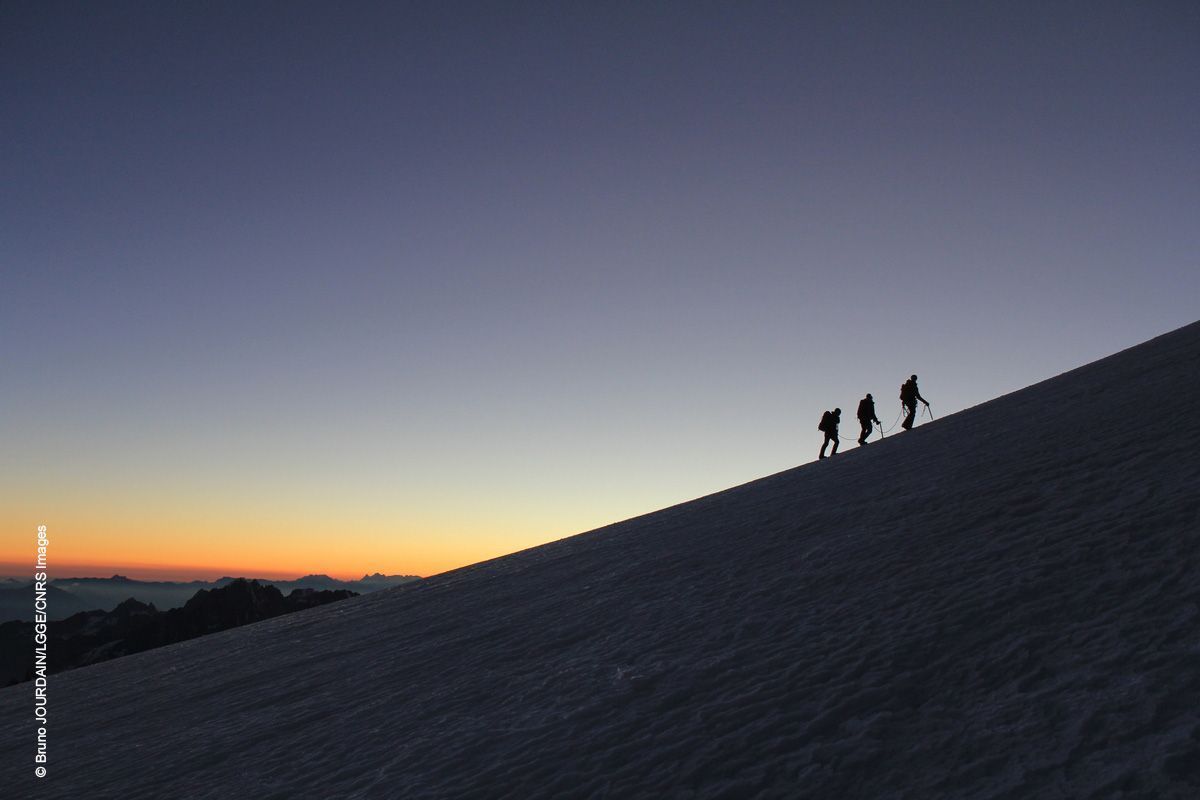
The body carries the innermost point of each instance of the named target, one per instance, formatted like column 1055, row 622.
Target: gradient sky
column 321, row 287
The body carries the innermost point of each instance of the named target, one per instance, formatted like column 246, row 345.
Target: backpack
column 906, row 392
column 826, row 421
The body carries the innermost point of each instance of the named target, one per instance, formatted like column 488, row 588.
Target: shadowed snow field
column 1004, row 603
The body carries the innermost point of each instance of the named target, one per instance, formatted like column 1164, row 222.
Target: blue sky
column 475, row 276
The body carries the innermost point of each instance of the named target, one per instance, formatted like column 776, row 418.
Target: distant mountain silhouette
column 92, row 636
column 71, row 595
column 16, row 601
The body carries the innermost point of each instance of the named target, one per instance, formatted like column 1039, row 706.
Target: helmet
column 914, row 377
column 868, row 395
column 837, row 411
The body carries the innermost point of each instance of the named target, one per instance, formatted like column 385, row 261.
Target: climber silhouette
column 829, row 426
column 866, row 415
column 909, row 395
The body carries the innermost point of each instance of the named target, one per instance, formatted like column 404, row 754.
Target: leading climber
column 910, row 395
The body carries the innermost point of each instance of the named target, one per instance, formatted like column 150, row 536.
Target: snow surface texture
column 1001, row 603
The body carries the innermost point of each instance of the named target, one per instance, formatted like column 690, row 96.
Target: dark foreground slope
column 1003, row 603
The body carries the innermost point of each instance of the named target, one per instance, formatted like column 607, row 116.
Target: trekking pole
column 930, row 410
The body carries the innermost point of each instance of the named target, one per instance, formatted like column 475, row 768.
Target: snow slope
column 1002, row 603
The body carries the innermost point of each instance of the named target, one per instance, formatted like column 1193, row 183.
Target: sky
column 344, row 288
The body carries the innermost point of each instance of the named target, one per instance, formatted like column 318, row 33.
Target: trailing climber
column 829, row 426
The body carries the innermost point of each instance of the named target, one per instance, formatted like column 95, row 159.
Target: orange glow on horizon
column 155, row 572
column 171, row 532
column 276, row 551
column 182, row 572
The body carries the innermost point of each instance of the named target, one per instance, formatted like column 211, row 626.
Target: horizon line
column 165, row 573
